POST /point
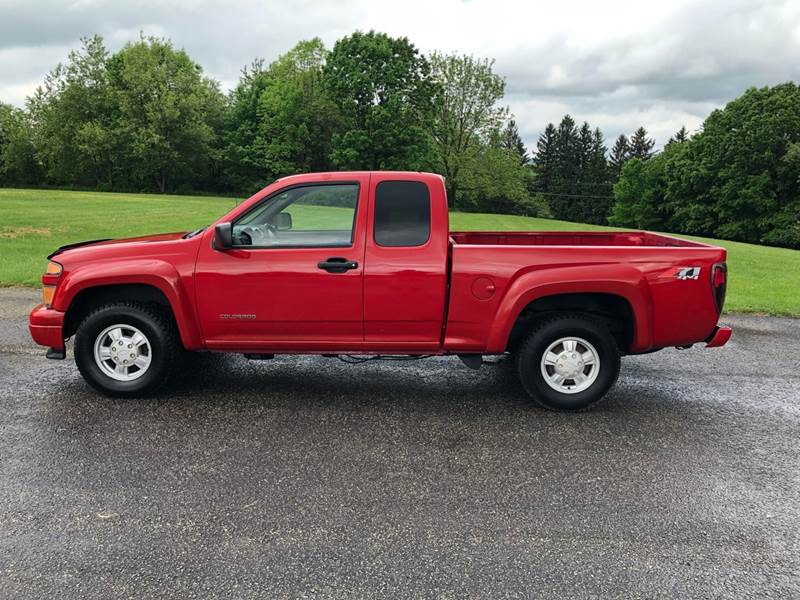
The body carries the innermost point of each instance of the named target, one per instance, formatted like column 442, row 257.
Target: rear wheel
column 127, row 349
column 568, row 362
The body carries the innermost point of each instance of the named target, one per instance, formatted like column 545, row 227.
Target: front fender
column 143, row 271
column 619, row 280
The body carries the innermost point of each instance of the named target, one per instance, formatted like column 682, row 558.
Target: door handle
column 337, row 264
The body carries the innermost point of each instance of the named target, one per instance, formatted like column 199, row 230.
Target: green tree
column 640, row 194
column 243, row 169
column 735, row 179
column 598, row 182
column 297, row 117
column 742, row 183
column 585, row 148
column 466, row 114
column 641, row 146
column 496, row 181
column 620, row 154
column 18, row 164
column 74, row 117
column 168, row 116
column 589, row 196
column 680, row 136
column 572, row 173
column 513, row 141
column 565, row 185
column 382, row 87
column 281, row 119
column 544, row 161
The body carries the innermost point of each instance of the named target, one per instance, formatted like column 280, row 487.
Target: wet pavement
column 306, row 477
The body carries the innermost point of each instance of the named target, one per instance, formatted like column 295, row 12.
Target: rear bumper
column 47, row 327
column 719, row 337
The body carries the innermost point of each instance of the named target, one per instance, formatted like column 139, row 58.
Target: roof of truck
column 340, row 174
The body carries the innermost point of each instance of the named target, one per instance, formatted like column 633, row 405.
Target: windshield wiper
column 191, row 234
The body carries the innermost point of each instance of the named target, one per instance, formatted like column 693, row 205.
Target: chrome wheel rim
column 122, row 352
column 570, row 365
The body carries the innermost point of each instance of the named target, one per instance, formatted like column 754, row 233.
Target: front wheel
column 568, row 362
column 127, row 349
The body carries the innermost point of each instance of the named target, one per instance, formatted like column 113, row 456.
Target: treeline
column 738, row 178
column 575, row 174
column 146, row 118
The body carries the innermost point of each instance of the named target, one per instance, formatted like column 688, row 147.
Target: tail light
column 50, row 281
column 719, row 282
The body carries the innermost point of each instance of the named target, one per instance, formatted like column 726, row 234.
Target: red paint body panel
column 165, row 262
column 46, row 327
column 667, row 311
column 458, row 292
column 292, row 302
column 405, row 288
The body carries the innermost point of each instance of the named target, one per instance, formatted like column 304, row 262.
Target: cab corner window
column 310, row 216
column 402, row 213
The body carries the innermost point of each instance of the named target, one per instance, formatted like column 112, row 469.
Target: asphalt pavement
column 305, row 477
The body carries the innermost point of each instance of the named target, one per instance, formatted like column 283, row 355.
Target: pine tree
column 641, row 145
column 600, row 176
column 572, row 172
column 567, row 168
column 544, row 161
column 680, row 136
column 512, row 141
column 582, row 203
column 591, row 195
column 586, row 142
column 620, row 153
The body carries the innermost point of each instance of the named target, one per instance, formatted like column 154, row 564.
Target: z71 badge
column 688, row 273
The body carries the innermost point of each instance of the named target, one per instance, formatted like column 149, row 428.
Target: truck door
column 294, row 277
column 405, row 264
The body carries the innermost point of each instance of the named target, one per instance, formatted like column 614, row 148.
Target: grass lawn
column 35, row 222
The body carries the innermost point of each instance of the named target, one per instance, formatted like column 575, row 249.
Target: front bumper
column 47, row 327
column 719, row 337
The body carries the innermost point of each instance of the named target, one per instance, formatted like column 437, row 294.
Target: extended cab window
column 402, row 213
column 305, row 216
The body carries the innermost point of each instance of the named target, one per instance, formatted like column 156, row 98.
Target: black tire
column 163, row 339
column 547, row 332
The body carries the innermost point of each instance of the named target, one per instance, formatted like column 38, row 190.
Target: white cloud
column 618, row 64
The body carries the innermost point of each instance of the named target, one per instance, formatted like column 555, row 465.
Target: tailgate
column 688, row 298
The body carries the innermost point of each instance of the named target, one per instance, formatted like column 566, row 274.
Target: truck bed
column 569, row 238
column 640, row 266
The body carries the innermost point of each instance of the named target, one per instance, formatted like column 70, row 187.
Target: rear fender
column 619, row 280
column 144, row 271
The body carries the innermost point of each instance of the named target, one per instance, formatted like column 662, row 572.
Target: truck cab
column 344, row 262
column 365, row 263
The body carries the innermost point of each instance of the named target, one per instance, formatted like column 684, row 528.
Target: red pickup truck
column 364, row 263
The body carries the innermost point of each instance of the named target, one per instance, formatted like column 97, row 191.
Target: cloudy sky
column 616, row 64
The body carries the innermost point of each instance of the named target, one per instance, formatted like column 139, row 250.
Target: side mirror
column 223, row 236
column 283, row 221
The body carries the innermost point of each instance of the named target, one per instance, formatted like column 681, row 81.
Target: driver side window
column 310, row 216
